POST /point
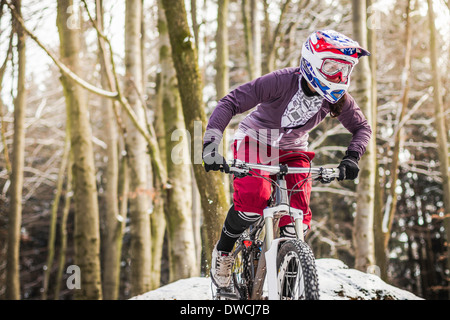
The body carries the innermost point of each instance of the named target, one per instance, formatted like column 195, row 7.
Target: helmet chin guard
column 319, row 52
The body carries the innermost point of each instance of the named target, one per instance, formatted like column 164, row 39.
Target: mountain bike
column 267, row 266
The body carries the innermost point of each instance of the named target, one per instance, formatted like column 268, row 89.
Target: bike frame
column 267, row 268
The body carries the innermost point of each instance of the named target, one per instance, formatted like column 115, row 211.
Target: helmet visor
column 336, row 70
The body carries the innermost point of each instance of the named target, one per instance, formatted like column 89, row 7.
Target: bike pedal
column 227, row 293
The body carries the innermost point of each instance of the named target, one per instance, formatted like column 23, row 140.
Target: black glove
column 212, row 160
column 348, row 168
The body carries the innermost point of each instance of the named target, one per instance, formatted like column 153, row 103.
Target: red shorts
column 252, row 194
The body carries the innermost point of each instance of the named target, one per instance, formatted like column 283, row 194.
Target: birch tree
column 158, row 220
column 256, row 36
column 374, row 25
column 61, row 257
column 363, row 228
column 248, row 38
column 272, row 38
column 18, row 154
column 222, row 55
column 54, row 214
column 441, row 128
column 221, row 65
column 139, row 205
column 398, row 137
column 114, row 221
column 87, row 234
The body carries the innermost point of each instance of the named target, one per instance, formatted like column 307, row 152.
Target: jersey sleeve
column 353, row 119
column 240, row 100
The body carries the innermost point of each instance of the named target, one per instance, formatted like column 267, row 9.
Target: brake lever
column 241, row 174
column 324, row 178
column 235, row 170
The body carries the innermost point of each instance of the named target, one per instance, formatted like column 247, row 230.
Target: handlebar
column 244, row 169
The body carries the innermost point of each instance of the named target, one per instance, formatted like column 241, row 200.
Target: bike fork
column 273, row 244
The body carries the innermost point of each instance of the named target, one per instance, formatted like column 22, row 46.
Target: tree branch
column 58, row 63
column 109, row 94
column 148, row 135
column 344, row 192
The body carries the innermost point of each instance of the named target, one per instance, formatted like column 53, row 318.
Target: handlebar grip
column 341, row 175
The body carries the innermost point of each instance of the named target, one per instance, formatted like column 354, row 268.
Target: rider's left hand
column 212, row 159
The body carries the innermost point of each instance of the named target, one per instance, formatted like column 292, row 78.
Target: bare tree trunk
column 18, row 158
column 195, row 24
column 441, row 129
column 221, row 63
column 398, row 138
column 267, row 36
column 248, row 37
column 158, row 219
column 272, row 39
column 363, row 229
column 158, row 228
column 2, row 122
column 256, row 36
column 63, row 231
column 222, row 69
column 190, row 85
column 139, row 196
column 197, row 220
column 7, row 164
column 54, row 215
column 114, row 223
column 380, row 253
column 179, row 217
column 87, row 234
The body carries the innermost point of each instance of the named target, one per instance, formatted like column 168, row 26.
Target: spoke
column 293, row 283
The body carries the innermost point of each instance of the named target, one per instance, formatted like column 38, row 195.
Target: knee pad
column 237, row 221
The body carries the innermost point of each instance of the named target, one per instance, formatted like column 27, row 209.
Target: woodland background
column 101, row 104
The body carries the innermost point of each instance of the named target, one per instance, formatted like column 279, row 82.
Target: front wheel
column 297, row 275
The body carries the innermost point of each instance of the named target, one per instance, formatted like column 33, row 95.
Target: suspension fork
column 281, row 202
column 282, row 206
column 271, row 218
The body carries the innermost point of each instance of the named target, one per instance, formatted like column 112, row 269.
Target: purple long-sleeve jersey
column 283, row 115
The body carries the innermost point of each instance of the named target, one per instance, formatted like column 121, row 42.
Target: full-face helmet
column 328, row 58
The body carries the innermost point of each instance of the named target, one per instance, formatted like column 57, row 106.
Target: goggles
column 336, row 70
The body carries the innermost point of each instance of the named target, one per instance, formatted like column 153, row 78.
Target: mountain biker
column 289, row 103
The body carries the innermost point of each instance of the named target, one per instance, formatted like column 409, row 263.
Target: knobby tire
column 297, row 272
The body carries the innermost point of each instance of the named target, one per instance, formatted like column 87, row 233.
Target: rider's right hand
column 212, row 159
